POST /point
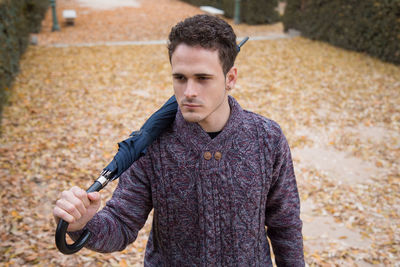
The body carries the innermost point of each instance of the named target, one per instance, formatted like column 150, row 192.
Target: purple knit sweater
column 212, row 198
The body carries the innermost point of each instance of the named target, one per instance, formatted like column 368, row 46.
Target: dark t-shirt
column 213, row 134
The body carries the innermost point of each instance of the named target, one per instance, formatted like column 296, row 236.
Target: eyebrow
column 197, row 74
column 203, row 75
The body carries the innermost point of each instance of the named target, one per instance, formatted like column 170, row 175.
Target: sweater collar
column 191, row 131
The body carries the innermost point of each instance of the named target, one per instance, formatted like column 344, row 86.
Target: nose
column 190, row 90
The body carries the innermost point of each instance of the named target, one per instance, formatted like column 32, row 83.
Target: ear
column 230, row 78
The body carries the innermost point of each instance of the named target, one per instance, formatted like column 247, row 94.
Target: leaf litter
column 70, row 106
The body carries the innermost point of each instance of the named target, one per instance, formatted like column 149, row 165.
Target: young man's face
column 200, row 86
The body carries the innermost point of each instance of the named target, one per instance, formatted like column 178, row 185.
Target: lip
column 191, row 105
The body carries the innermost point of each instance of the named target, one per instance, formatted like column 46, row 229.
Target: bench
column 212, row 10
column 69, row 16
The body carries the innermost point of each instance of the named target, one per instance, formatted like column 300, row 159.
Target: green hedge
column 17, row 20
column 251, row 11
column 35, row 11
column 371, row 26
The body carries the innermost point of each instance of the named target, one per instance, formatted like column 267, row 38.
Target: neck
column 217, row 120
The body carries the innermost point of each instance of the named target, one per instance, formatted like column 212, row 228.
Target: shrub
column 35, row 11
column 371, row 26
column 17, row 20
column 251, row 11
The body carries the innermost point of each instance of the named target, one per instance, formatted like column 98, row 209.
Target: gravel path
column 107, row 4
column 149, row 21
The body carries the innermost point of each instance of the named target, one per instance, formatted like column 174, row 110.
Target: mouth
column 191, row 105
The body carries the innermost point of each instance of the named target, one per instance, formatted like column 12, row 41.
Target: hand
column 76, row 207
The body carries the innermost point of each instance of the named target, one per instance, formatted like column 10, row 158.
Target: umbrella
column 135, row 146
column 129, row 151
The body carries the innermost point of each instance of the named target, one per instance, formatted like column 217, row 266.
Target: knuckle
column 75, row 206
column 79, row 205
column 78, row 192
column 64, row 194
column 81, row 194
column 58, row 202
column 70, row 219
column 70, row 209
column 56, row 211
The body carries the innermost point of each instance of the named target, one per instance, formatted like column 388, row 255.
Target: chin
column 191, row 117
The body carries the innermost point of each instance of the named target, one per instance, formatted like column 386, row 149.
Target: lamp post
column 55, row 27
column 237, row 12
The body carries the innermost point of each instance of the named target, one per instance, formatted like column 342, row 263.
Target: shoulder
column 268, row 133
column 265, row 127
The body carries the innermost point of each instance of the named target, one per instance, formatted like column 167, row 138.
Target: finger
column 70, row 197
column 69, row 208
column 94, row 197
column 82, row 195
column 78, row 204
column 62, row 214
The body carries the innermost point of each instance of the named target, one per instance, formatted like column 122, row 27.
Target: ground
column 87, row 87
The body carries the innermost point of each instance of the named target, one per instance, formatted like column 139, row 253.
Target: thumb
column 94, row 196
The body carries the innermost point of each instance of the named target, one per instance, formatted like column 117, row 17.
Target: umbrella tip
column 245, row 39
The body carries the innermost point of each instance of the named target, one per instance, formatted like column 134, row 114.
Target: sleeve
column 118, row 223
column 283, row 209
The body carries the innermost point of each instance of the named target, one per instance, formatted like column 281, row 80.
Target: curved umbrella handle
column 62, row 227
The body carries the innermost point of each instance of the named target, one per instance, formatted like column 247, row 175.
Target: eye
column 179, row 78
column 203, row 78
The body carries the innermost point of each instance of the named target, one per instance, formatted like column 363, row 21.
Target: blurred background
column 78, row 76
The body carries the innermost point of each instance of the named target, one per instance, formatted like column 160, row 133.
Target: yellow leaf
column 316, row 256
column 16, row 215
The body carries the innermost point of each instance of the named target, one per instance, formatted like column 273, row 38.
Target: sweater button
column 218, row 155
column 207, row 155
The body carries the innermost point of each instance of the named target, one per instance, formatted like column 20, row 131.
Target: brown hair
column 209, row 32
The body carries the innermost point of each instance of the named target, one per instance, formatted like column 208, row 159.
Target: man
column 215, row 178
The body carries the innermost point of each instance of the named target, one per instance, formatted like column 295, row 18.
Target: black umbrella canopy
column 135, row 146
column 129, row 151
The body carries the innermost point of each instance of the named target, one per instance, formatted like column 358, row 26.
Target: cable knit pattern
column 209, row 211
